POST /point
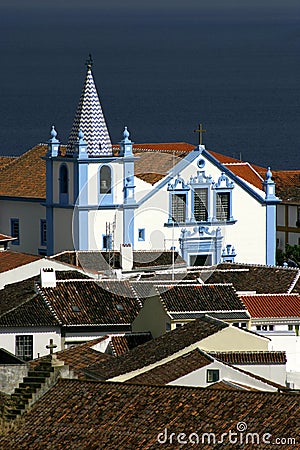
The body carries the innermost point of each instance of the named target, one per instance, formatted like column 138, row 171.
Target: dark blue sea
column 159, row 71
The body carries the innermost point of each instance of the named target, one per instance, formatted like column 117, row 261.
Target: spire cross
column 89, row 62
column 51, row 346
column 200, row 131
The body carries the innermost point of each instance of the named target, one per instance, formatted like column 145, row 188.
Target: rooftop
column 272, row 305
column 81, row 414
column 245, row 358
column 158, row 349
column 11, row 260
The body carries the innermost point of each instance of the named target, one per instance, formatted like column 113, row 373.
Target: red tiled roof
column 272, row 305
column 84, row 415
column 174, row 369
column 79, row 356
column 11, row 260
column 243, row 358
column 25, row 176
column 123, row 344
column 6, row 160
column 158, row 349
column 247, row 173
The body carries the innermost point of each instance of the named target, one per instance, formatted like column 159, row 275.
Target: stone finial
column 126, row 133
column 269, row 174
column 53, row 134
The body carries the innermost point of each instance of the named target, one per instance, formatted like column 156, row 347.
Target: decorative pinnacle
column 53, row 132
column 269, row 174
column 89, row 62
column 126, row 133
column 80, row 134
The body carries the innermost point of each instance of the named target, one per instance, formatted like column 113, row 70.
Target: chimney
column 126, row 257
column 48, row 278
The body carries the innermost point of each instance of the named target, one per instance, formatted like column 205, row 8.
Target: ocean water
column 158, row 74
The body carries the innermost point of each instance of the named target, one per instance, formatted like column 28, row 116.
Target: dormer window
column 63, row 184
column 105, row 180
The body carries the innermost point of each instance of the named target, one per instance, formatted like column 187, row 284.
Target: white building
column 96, row 196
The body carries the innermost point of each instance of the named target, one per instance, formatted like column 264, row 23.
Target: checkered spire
column 90, row 119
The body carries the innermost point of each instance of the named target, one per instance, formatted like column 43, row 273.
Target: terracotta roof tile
column 79, row 357
column 25, row 176
column 158, row 349
column 244, row 358
column 174, row 369
column 83, row 415
column 87, row 302
column 248, row 277
column 6, row 160
column 123, row 344
column 272, row 305
column 247, row 173
column 202, row 298
column 11, row 260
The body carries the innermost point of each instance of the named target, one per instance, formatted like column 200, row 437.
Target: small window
column 24, row 347
column 243, row 325
column 168, row 326
column 264, row 327
column 43, row 232
column 291, row 327
column 271, row 327
column 107, row 242
column 75, row 308
column 15, row 231
column 258, row 327
column 63, row 184
column 141, row 234
column 120, row 307
column 178, row 325
column 105, row 180
column 212, row 375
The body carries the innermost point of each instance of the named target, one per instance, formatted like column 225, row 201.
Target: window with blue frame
column 63, row 184
column 200, row 204
column 178, row 208
column 15, row 231
column 43, row 232
column 141, row 234
column 223, row 205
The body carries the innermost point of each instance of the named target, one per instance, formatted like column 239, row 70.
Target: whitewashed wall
column 40, row 339
column 29, row 215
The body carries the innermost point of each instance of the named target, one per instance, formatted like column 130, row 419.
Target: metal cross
column 200, row 131
column 89, row 62
column 51, row 346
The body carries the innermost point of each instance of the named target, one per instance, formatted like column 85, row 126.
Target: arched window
column 105, row 180
column 63, row 184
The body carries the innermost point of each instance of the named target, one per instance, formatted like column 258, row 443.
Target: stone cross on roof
column 51, row 346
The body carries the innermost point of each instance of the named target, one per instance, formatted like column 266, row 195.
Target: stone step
column 25, row 390
column 34, row 380
column 30, row 385
column 39, row 373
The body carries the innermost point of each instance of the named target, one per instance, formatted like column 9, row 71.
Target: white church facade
column 93, row 195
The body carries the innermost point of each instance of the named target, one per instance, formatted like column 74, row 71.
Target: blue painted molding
column 237, row 180
column 181, row 165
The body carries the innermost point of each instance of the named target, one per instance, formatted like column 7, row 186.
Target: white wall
column 274, row 372
column 29, row 270
column 29, row 215
column 198, row 377
column 40, row 339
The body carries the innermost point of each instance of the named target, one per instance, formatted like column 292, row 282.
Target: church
column 92, row 195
